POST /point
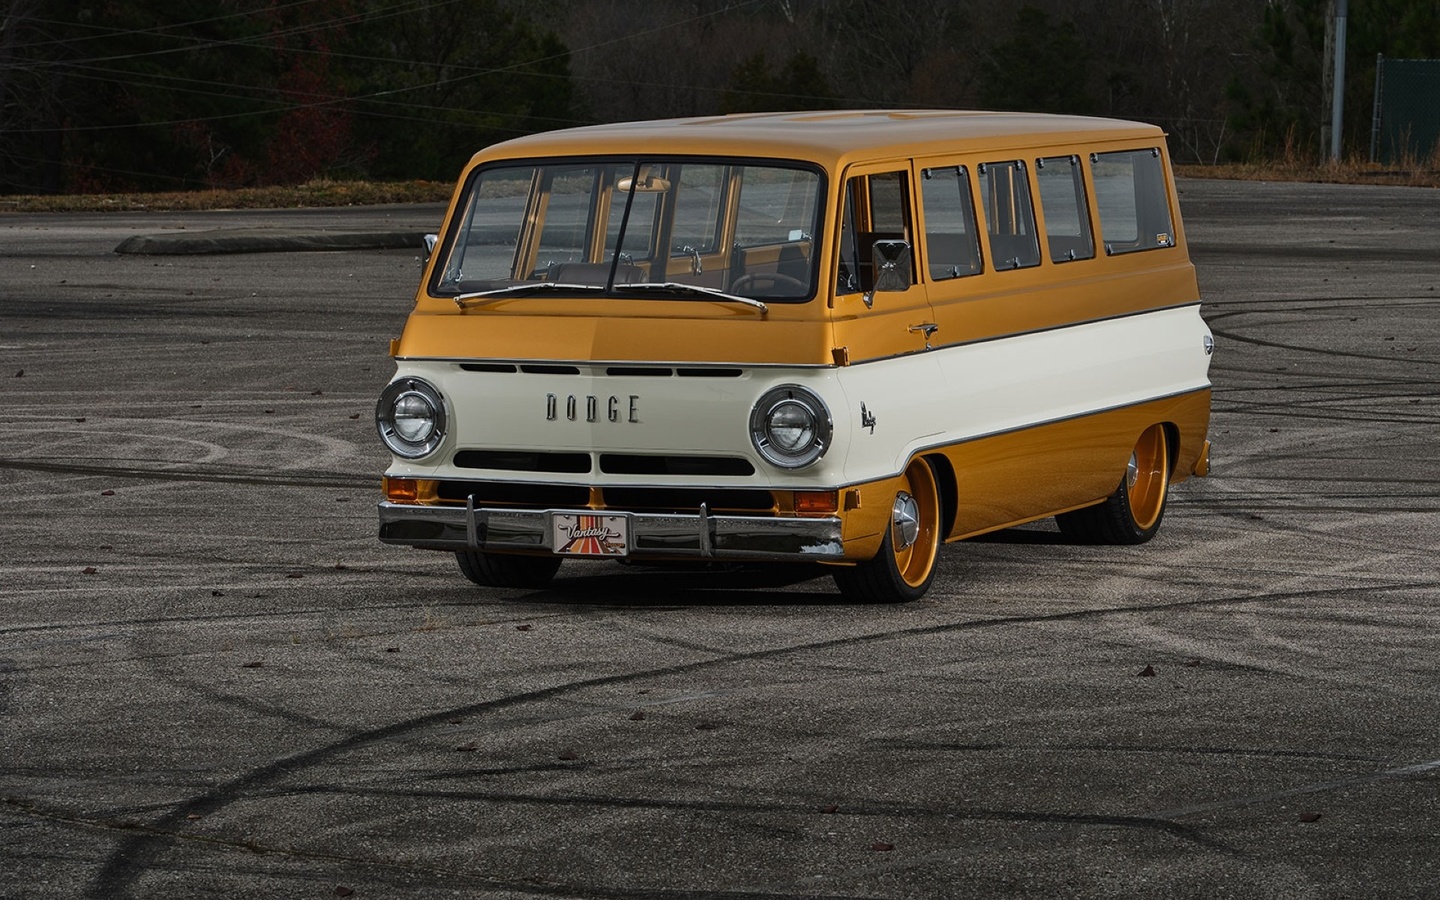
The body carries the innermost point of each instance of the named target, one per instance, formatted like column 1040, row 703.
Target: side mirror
column 891, row 262
column 430, row 241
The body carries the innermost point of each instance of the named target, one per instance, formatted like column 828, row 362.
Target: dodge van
column 829, row 337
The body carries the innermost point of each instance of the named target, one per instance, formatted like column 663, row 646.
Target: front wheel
column 1132, row 514
column 905, row 566
column 504, row 570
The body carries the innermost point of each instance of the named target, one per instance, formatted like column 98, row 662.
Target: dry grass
column 1409, row 173
column 1344, row 172
column 313, row 194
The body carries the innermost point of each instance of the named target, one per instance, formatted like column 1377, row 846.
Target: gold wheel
column 905, row 565
column 914, row 525
column 1148, row 477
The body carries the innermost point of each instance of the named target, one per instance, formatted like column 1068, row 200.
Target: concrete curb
column 267, row 240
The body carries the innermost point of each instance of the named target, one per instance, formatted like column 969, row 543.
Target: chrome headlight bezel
column 798, row 410
column 410, row 417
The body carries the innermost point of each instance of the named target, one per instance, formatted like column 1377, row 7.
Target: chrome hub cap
column 904, row 522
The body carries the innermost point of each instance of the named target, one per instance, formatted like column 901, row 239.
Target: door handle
column 927, row 329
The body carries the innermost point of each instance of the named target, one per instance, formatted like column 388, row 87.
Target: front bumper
column 652, row 535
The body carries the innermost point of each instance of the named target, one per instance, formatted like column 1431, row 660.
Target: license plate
column 574, row 534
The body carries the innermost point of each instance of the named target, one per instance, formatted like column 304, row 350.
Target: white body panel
column 925, row 400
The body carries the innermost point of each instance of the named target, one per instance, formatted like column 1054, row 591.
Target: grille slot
column 504, row 493
column 641, row 464
column 524, row 461
column 684, row 500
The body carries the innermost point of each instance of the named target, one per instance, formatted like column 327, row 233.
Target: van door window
column 952, row 246
column 877, row 208
column 1067, row 213
column 1009, row 215
column 1131, row 196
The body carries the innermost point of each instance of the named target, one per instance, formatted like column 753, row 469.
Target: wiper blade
column 710, row 293
column 465, row 301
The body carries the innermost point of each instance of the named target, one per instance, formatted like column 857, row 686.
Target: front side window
column 1132, row 200
column 651, row 226
column 1067, row 214
column 1009, row 216
column 876, row 208
column 952, row 246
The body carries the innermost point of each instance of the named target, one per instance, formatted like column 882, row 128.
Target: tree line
column 104, row 95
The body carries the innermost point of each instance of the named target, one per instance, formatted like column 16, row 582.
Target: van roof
column 831, row 138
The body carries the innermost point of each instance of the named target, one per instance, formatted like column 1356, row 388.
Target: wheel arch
column 949, row 488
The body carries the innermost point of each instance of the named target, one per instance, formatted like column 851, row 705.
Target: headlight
column 790, row 426
column 410, row 418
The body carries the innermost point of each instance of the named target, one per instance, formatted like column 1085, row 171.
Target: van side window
column 1067, row 213
column 1130, row 195
column 877, row 208
column 1009, row 216
column 952, row 246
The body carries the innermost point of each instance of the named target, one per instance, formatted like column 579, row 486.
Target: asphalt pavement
column 214, row 681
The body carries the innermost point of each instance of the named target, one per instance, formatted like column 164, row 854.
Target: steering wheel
column 770, row 279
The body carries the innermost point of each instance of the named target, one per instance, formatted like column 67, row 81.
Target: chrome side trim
column 654, row 535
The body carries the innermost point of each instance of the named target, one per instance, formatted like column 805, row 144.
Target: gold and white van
column 839, row 337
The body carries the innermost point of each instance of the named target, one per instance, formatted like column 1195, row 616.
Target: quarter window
column 1067, row 214
column 952, row 247
column 1130, row 195
column 1009, row 215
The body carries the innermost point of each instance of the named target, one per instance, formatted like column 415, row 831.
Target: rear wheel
column 504, row 570
column 905, row 566
column 1132, row 514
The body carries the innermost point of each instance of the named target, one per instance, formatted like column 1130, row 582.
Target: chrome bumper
column 652, row 535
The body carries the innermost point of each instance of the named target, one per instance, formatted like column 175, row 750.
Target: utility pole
column 1337, row 90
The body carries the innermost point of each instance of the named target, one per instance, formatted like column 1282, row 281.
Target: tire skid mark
column 237, row 476
column 451, row 877
column 135, row 854
column 1400, row 772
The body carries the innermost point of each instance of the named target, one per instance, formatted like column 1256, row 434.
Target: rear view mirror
column 892, row 265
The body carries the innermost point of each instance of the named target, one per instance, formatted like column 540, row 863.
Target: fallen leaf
column 20, row 374
column 1310, row 817
column 1147, row 672
column 637, row 717
column 467, row 748
column 295, row 575
column 217, row 593
column 830, row 810
column 568, row 755
column 79, row 418
column 252, row 664
column 522, row 627
column 706, row 726
column 107, row 493
column 343, row 891
column 89, row 570
column 356, row 416
column 882, row 847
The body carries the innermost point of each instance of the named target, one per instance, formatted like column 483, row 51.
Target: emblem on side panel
column 867, row 418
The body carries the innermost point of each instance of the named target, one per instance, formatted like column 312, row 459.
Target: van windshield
column 634, row 227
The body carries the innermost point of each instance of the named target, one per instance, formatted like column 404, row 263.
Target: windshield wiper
column 465, row 301
column 710, row 293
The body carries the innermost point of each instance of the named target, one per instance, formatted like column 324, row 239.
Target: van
column 829, row 337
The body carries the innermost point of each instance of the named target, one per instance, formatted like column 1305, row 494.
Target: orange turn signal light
column 411, row 490
column 816, row 503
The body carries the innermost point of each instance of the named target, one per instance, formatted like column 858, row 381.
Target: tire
column 1133, row 513
column 505, row 570
column 904, row 574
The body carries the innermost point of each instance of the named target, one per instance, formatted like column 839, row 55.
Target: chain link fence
column 1406, row 127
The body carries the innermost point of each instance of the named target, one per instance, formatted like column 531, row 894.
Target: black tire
column 901, row 576
column 1132, row 514
column 505, row 570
